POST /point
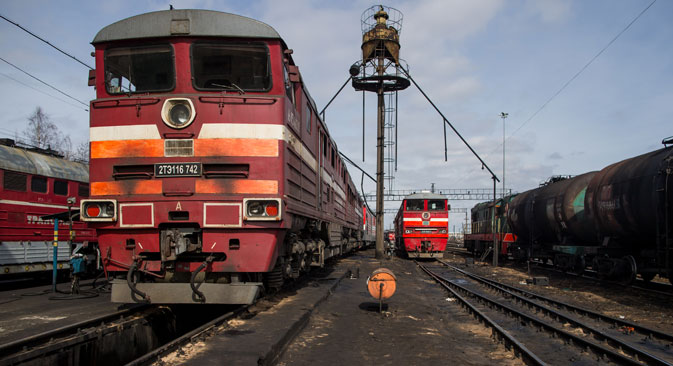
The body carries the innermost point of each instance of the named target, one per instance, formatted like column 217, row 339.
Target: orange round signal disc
column 382, row 284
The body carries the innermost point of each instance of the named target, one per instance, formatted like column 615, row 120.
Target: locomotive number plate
column 177, row 170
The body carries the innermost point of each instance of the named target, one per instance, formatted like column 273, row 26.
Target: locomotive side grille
column 180, row 147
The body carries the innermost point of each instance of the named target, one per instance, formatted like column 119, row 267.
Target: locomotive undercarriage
column 309, row 244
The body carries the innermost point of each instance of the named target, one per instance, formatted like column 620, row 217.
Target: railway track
column 517, row 317
column 137, row 336
column 652, row 287
column 655, row 288
column 159, row 352
column 52, row 346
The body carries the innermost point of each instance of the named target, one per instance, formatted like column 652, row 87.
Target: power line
column 578, row 73
column 40, row 91
column 45, row 41
column 53, row 87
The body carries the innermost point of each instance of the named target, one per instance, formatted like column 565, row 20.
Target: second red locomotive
column 422, row 225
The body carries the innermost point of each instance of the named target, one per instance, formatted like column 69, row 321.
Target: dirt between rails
column 420, row 325
column 648, row 309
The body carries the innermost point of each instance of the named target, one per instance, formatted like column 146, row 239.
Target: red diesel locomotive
column 38, row 183
column 212, row 175
column 422, row 225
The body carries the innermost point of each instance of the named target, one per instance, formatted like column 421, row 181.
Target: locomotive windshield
column 139, row 69
column 235, row 67
column 415, row 205
column 436, row 205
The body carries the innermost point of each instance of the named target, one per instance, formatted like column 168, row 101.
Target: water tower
column 379, row 71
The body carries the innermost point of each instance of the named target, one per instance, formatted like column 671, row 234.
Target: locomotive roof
column 185, row 22
column 24, row 161
column 424, row 196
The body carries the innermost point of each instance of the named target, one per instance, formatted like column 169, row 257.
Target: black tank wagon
column 618, row 221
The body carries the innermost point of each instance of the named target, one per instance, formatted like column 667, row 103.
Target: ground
column 419, row 325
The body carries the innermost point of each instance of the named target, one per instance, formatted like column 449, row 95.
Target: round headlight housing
column 178, row 112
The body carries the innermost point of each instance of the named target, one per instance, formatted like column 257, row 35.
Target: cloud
column 554, row 156
column 550, row 11
column 428, row 23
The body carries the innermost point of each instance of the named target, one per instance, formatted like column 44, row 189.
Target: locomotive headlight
column 178, row 112
column 265, row 209
column 255, row 209
column 98, row 210
column 408, row 231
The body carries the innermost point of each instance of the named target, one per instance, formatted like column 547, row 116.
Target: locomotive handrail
column 130, row 102
column 237, row 99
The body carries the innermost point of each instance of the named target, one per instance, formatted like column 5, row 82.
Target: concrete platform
column 22, row 316
column 336, row 322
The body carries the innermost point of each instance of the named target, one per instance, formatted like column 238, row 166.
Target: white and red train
column 422, row 225
column 212, row 175
column 38, row 183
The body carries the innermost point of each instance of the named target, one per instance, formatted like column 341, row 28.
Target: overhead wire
column 567, row 83
column 45, row 83
column 45, row 41
column 40, row 91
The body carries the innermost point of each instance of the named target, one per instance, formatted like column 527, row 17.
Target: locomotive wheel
column 630, row 271
column 274, row 278
column 579, row 265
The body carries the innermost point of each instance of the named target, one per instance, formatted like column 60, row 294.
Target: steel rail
column 665, row 289
column 509, row 341
column 56, row 339
column 163, row 350
column 598, row 349
column 576, row 309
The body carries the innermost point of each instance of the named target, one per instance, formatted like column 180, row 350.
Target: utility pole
column 380, row 117
column 503, row 115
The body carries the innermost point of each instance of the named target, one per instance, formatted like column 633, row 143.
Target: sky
column 474, row 59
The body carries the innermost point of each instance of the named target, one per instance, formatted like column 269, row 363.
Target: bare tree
column 82, row 152
column 65, row 147
column 41, row 132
